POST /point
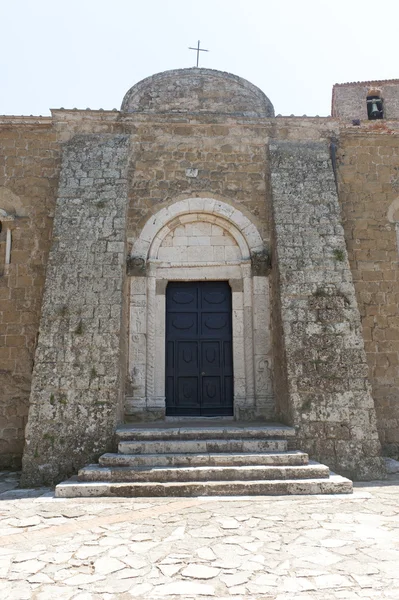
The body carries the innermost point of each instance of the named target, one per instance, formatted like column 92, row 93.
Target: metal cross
column 198, row 49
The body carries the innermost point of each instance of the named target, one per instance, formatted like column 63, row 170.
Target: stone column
column 248, row 336
column 77, row 385
column 151, row 320
column 135, row 401
column 324, row 387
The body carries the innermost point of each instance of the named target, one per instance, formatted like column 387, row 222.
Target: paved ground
column 297, row 548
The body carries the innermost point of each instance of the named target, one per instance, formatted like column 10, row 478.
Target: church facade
column 192, row 255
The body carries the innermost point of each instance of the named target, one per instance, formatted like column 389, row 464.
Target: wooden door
column 199, row 358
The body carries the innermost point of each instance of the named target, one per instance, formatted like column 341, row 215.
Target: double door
column 199, row 360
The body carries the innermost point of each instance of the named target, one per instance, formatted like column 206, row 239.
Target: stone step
column 220, row 459
column 203, row 432
column 335, row 484
column 201, row 446
column 184, row 474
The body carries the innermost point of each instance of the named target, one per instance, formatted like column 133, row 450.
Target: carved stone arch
column 199, row 239
column 192, row 218
column 208, row 206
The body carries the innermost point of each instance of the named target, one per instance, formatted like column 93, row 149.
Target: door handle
column 203, row 373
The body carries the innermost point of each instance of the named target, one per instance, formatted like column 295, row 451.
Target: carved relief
column 261, row 263
column 135, row 266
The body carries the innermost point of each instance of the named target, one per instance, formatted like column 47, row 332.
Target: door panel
column 210, row 357
column 215, row 325
column 182, row 325
column 199, row 366
column 187, row 393
column 187, row 358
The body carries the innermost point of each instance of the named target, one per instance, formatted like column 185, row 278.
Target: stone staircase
column 199, row 459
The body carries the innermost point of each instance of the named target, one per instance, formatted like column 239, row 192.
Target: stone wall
column 180, row 160
column 29, row 167
column 328, row 393
column 368, row 178
column 77, row 382
column 173, row 157
column 349, row 99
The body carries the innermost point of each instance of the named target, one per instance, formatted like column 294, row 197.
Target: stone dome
column 197, row 90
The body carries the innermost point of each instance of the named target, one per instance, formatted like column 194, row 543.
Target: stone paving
column 280, row 548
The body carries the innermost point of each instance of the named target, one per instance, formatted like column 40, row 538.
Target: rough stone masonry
column 78, row 361
column 329, row 397
column 321, row 328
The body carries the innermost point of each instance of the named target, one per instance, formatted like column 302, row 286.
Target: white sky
column 88, row 53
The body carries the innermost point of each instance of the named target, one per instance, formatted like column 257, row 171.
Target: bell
column 374, row 112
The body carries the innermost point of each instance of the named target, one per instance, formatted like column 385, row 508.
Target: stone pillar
column 77, row 385
column 248, row 338
column 324, row 389
column 151, row 333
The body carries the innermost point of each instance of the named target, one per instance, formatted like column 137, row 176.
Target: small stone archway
column 199, row 239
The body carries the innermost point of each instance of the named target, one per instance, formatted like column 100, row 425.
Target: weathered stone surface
column 200, row 473
column 261, row 263
column 185, row 588
column 76, row 390
column 370, row 219
column 335, row 484
column 107, row 565
column 216, row 155
column 29, row 170
column 191, row 446
column 135, row 266
column 197, row 90
column 201, row 430
column 391, row 465
column 200, row 572
column 212, row 459
column 271, row 473
column 349, row 99
column 326, row 386
column 298, row 547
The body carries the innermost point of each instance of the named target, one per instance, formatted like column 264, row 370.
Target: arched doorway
column 193, row 241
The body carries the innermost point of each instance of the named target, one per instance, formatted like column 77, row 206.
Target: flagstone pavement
column 280, row 548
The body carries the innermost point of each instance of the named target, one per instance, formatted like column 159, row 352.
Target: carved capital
column 261, row 262
column 136, row 266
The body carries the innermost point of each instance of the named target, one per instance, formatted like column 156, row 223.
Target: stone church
column 206, row 283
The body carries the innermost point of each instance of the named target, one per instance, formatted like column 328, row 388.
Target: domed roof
column 197, row 90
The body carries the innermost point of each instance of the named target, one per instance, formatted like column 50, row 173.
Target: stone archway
column 199, row 239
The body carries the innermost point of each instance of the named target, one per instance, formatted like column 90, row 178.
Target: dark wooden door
column 199, row 358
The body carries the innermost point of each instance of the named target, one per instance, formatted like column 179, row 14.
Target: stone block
column 198, row 254
column 232, row 253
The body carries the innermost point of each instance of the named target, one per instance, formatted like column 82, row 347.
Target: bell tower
column 366, row 100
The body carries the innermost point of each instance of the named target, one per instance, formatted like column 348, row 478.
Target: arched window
column 375, row 108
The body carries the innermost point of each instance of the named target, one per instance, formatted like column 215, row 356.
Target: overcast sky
column 88, row 53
